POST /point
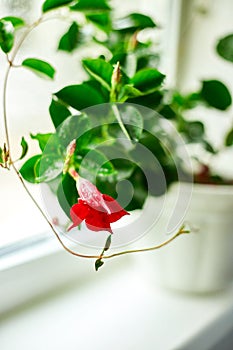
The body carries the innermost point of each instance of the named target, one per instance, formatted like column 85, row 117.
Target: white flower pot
column 201, row 261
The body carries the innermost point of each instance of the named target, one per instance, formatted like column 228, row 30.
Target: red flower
column 97, row 209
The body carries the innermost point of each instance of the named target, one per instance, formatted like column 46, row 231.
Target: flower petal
column 116, row 210
column 98, row 220
column 78, row 213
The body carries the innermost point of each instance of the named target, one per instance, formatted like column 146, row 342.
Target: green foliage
column 29, row 169
column 67, row 193
column 24, row 146
column 40, row 67
column 6, row 35
column 216, row 94
column 225, row 47
column 70, row 39
column 229, row 138
column 81, row 96
column 100, row 20
column 15, row 21
column 147, row 80
column 98, row 264
column 58, row 112
column 100, row 134
column 91, row 6
column 99, row 70
column 52, row 4
column 133, row 22
column 42, row 139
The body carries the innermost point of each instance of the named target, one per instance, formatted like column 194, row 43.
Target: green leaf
column 216, row 94
column 152, row 100
column 108, row 243
column 100, row 20
column 99, row 70
column 229, row 139
column 98, row 264
column 93, row 163
column 6, row 35
column 81, row 96
column 133, row 22
column 42, row 139
column 24, row 146
column 225, row 47
column 91, row 5
column 48, row 167
column 69, row 40
column 147, row 80
column 167, row 112
column 28, row 170
column 73, row 128
column 209, row 147
column 128, row 91
column 52, row 4
column 39, row 67
column 15, row 21
column 194, row 130
column 67, row 193
column 58, row 112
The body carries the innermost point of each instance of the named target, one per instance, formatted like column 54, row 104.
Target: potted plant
column 204, row 262
column 106, row 128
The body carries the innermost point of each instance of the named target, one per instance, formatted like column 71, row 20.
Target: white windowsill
column 121, row 309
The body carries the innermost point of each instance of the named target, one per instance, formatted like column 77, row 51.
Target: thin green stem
column 119, row 119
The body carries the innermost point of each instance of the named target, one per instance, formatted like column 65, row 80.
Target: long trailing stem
column 8, row 143
column 163, row 244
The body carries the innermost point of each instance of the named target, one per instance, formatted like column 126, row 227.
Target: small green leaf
column 209, row 147
column 225, row 47
column 40, row 67
column 6, row 35
column 134, row 22
column 48, row 167
column 108, row 243
column 69, row 40
column 98, row 264
column 24, row 146
column 128, row 91
column 147, row 80
column 52, row 4
column 58, row 112
column 91, row 6
column 73, row 128
column 216, row 94
column 67, row 193
column 42, row 139
column 81, row 96
column 28, row 170
column 194, row 130
column 100, row 20
column 229, row 139
column 15, row 21
column 99, row 70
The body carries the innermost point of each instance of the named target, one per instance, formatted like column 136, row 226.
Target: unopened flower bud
column 116, row 75
column 69, row 153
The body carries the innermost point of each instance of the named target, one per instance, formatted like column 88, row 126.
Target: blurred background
column 185, row 41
